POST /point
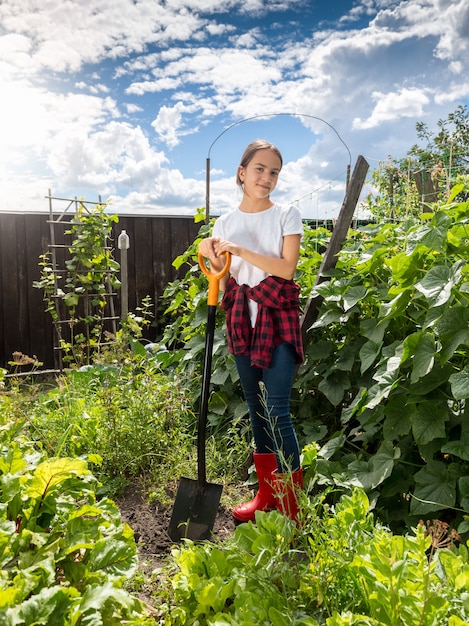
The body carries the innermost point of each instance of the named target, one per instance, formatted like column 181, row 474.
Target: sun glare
column 24, row 118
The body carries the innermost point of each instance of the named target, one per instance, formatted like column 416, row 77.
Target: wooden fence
column 155, row 241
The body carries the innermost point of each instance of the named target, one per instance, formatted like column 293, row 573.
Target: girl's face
column 260, row 176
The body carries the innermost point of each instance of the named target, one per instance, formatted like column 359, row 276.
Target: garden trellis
column 79, row 278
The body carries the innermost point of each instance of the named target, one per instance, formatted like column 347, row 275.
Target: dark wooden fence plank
column 155, row 241
column 144, row 250
column 161, row 233
column 33, row 317
column 11, row 326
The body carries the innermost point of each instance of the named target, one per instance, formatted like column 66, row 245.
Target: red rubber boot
column 286, row 490
column 265, row 464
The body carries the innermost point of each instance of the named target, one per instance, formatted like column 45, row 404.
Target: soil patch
column 150, row 525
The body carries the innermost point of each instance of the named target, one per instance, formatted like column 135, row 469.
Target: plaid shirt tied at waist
column 277, row 322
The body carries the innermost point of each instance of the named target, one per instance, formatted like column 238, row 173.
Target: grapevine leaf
column 353, row 295
column 368, row 354
column 428, row 421
column 372, row 473
column 460, row 384
column 459, row 448
column 435, row 488
column 334, row 386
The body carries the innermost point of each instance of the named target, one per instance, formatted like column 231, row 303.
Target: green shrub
column 386, row 377
column 385, row 380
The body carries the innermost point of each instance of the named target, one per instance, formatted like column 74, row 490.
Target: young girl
column 262, row 317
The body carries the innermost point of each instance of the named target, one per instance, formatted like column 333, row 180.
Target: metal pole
column 207, row 190
column 123, row 243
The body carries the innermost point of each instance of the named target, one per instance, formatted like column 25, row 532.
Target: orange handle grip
column 214, row 277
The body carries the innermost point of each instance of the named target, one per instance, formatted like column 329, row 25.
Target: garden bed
column 150, row 524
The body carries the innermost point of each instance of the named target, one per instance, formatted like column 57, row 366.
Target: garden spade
column 196, row 504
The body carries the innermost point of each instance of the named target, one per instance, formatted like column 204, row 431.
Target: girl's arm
column 283, row 267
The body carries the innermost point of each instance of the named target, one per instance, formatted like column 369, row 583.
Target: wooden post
column 427, row 191
column 339, row 234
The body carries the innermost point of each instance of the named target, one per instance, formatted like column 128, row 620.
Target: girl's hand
column 284, row 266
column 208, row 247
column 228, row 246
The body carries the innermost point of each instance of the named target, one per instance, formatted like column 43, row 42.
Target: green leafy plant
column 384, row 385
column 401, row 188
column 64, row 555
column 137, row 419
column 387, row 366
column 250, row 579
column 394, row 194
column 338, row 566
column 404, row 584
column 445, row 151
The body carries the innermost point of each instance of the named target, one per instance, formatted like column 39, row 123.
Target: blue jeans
column 267, row 393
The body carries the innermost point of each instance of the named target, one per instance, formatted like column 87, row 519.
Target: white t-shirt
column 261, row 232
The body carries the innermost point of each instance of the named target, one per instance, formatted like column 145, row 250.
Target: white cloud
column 455, row 92
column 454, row 39
column 132, row 108
column 64, row 36
column 392, row 106
column 117, row 154
column 167, row 124
column 153, row 86
column 173, row 69
column 14, row 55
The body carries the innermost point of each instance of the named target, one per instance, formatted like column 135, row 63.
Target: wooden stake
column 339, row 234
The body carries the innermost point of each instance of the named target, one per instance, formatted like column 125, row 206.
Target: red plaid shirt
column 278, row 319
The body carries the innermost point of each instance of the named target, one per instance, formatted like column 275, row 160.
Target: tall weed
column 137, row 419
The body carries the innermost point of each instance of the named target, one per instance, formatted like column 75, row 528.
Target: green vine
column 76, row 296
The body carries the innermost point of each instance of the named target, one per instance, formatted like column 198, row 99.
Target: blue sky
column 126, row 98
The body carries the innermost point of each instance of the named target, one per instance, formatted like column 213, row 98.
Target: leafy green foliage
column 395, row 195
column 78, row 294
column 403, row 586
column 386, row 369
column 384, row 385
column 439, row 162
column 449, row 147
column 64, row 555
column 337, row 567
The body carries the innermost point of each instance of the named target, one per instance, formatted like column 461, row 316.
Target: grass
column 130, row 421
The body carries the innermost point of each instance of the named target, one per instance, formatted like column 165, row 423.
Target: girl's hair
column 254, row 146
